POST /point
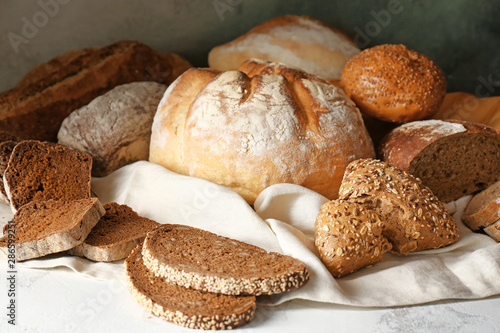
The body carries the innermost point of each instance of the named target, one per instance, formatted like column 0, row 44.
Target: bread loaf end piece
column 484, row 208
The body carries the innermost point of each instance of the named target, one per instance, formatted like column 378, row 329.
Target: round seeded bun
column 262, row 125
column 395, row 84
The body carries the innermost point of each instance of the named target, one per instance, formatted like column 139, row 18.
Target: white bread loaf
column 249, row 132
column 297, row 41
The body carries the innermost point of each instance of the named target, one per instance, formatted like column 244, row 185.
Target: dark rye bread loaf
column 42, row 171
column 413, row 216
column 44, row 227
column 453, row 158
column 484, row 208
column 348, row 237
column 116, row 234
column 182, row 306
column 35, row 108
column 198, row 259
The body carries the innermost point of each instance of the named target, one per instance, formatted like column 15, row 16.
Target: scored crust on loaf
column 42, row 171
column 182, row 306
column 300, row 42
column 484, row 208
column 349, row 237
column 414, row 218
column 6, row 148
column 116, row 234
column 198, row 259
column 453, row 158
column 45, row 227
column 115, row 128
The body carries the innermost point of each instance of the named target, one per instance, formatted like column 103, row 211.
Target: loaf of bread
column 349, row 237
column 115, row 128
column 300, row 42
column 36, row 107
column 484, row 208
column 414, row 219
column 44, row 227
column 249, row 132
column 493, row 231
column 42, row 171
column 116, row 234
column 183, row 306
column 468, row 107
column 198, row 259
column 392, row 83
column 453, row 158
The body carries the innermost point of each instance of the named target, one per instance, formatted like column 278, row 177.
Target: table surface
column 60, row 300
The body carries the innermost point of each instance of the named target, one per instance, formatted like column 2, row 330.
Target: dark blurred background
column 461, row 36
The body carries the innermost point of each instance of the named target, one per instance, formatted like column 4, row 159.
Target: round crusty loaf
column 300, row 42
column 453, row 158
column 414, row 218
column 182, row 306
column 198, row 259
column 247, row 133
column 393, row 83
column 115, row 128
column 484, row 208
column 348, row 237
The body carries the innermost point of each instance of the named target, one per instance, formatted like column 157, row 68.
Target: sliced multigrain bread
column 6, row 148
column 493, row 231
column 44, row 227
column 414, row 218
column 116, row 234
column 183, row 306
column 349, row 237
column 453, row 158
column 42, row 171
column 484, row 208
column 198, row 259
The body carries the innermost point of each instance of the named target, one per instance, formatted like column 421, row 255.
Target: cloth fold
column 282, row 220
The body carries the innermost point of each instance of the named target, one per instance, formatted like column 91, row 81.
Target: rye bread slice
column 198, row 259
column 44, row 227
column 182, row 306
column 43, row 171
column 484, row 208
column 116, row 234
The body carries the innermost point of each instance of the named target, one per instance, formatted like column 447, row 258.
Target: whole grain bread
column 44, row 227
column 348, row 237
column 198, row 259
column 453, row 158
column 115, row 128
column 42, row 171
column 6, row 148
column 116, row 234
column 484, row 208
column 493, row 230
column 183, row 306
column 414, row 218
column 36, row 107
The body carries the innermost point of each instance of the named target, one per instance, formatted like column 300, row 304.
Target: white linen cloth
column 283, row 221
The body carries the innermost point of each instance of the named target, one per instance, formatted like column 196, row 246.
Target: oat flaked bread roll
column 116, row 234
column 413, row 216
column 115, row 128
column 453, row 158
column 300, row 42
column 198, row 259
column 484, row 208
column 6, row 148
column 42, row 171
column 493, row 231
column 44, row 227
column 183, row 306
column 349, row 237
column 248, row 132
column 36, row 107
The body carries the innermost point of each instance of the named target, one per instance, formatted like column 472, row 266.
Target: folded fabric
column 282, row 220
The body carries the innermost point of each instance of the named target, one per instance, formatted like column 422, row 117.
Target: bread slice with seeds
column 198, row 259
column 44, row 227
column 43, row 171
column 182, row 306
column 414, row 218
column 349, row 237
column 484, row 208
column 116, row 234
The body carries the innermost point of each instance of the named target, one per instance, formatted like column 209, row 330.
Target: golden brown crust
column 484, row 208
column 393, row 83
